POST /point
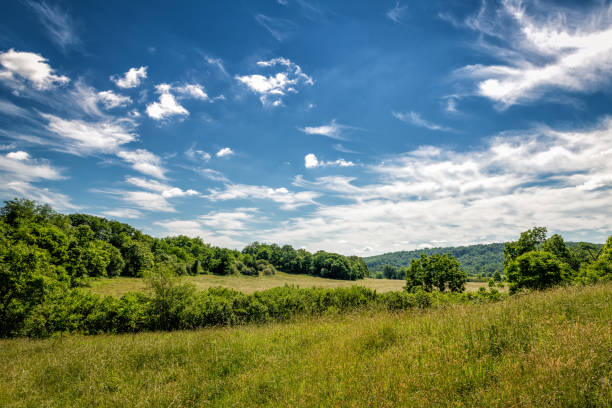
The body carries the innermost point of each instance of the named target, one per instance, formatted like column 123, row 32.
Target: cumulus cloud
column 416, row 119
column 541, row 48
column 143, row 161
column 131, row 79
column 311, row 161
column 18, row 65
column 112, row 100
column 18, row 155
column 226, row 151
column 57, row 22
column 195, row 91
column 272, row 88
column 167, row 105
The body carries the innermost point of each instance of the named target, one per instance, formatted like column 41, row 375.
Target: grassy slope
column 249, row 284
column 547, row 349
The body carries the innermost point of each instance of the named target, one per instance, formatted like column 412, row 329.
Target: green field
column 550, row 349
column 248, row 284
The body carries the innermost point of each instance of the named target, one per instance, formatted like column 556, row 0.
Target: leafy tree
column 138, row 258
column 440, row 271
column 537, row 270
column 529, row 240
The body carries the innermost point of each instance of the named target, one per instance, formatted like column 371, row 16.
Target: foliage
column 440, row 271
column 546, row 349
column 537, row 262
column 481, row 259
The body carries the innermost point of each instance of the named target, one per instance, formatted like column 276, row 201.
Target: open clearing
column 248, row 284
column 548, row 349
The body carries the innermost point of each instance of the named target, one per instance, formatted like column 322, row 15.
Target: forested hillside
column 481, row 259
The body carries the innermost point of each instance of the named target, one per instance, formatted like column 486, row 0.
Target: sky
column 357, row 127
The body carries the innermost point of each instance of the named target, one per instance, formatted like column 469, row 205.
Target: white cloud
column 11, row 187
column 194, row 154
column 165, row 190
column 80, row 137
column 112, row 100
column 223, row 228
column 57, row 22
column 272, row 88
column 311, row 161
column 195, row 91
column 130, row 79
column 30, row 66
column 226, row 151
column 289, row 200
column 213, row 175
column 127, row 213
column 278, row 28
column 20, row 166
column 143, row 161
column 18, row 155
column 146, row 200
column 9, row 108
column 396, row 13
column 332, row 130
column 217, row 62
column 416, row 119
column 550, row 49
column 167, row 105
column 561, row 179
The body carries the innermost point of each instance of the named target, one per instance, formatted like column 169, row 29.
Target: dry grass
column 549, row 349
column 249, row 284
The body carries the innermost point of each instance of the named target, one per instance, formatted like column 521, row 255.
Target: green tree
column 529, row 240
column 442, row 271
column 537, row 270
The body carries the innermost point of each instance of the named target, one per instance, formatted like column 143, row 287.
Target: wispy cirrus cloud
column 396, row 13
column 144, row 162
column 278, row 28
column 541, row 48
column 332, row 130
column 58, row 23
column 417, row 120
column 289, row 200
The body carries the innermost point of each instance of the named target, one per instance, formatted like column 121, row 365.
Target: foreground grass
column 546, row 349
column 249, row 284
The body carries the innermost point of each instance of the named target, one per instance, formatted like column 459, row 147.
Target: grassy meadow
column 248, row 284
column 549, row 349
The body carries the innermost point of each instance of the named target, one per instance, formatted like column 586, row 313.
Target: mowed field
column 249, row 284
column 550, row 349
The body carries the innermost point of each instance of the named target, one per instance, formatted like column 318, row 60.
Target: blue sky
column 358, row 127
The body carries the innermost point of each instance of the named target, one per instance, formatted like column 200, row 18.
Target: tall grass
column 551, row 349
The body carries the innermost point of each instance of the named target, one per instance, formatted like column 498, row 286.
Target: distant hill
column 475, row 259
